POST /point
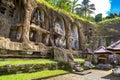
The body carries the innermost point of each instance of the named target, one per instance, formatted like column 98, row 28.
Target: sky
column 105, row 6
column 115, row 6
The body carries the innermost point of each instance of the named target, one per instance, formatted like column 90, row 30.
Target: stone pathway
column 94, row 75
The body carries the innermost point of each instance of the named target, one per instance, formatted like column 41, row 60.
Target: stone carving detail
column 30, row 25
column 32, row 35
column 15, row 33
column 59, row 33
column 7, row 7
column 74, row 43
column 38, row 18
column 41, row 33
column 2, row 9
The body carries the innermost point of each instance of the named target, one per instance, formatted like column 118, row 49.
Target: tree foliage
column 82, row 10
column 74, row 5
column 98, row 17
column 86, row 8
column 112, row 15
column 109, row 27
column 64, row 4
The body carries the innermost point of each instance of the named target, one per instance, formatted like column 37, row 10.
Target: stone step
column 83, row 72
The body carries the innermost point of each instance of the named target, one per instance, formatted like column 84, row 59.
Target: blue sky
column 115, row 6
column 105, row 6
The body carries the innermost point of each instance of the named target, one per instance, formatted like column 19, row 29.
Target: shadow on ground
column 111, row 77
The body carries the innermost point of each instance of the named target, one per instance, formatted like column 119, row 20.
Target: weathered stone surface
column 116, row 71
column 60, row 55
column 35, row 27
column 8, row 45
column 24, row 68
column 104, row 66
column 87, row 75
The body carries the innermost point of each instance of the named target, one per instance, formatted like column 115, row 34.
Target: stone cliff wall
column 26, row 25
column 108, row 32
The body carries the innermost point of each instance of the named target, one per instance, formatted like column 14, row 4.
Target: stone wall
column 35, row 27
column 108, row 31
column 29, row 68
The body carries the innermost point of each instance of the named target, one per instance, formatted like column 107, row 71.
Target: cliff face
column 29, row 25
column 108, row 31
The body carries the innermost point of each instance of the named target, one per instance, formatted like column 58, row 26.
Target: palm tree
column 87, row 8
column 74, row 5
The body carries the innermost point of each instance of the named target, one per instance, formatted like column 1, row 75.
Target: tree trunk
column 26, row 22
column 85, row 12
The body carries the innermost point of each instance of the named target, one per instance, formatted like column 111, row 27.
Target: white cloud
column 102, row 6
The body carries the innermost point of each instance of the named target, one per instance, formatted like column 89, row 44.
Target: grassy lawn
column 29, row 76
column 79, row 60
column 34, row 61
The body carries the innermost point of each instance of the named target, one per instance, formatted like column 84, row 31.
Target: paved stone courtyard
column 92, row 75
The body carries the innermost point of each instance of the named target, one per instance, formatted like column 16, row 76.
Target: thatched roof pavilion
column 102, row 54
column 102, row 50
column 115, row 47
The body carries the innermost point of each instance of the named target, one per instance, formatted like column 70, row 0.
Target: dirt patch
column 93, row 75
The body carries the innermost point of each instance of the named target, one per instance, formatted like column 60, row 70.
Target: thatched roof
column 101, row 50
column 87, row 51
column 114, row 46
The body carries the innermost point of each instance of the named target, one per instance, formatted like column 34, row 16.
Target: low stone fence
column 28, row 68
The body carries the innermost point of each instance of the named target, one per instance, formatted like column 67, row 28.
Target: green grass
column 34, row 61
column 29, row 76
column 110, row 21
column 79, row 60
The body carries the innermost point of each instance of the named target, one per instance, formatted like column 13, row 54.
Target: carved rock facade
column 26, row 25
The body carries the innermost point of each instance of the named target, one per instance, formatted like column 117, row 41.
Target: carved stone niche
column 32, row 35
column 74, row 41
column 59, row 32
column 40, row 18
column 15, row 33
column 39, row 36
column 45, row 38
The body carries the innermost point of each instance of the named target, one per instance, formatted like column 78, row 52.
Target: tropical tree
column 64, row 4
column 79, row 12
column 98, row 17
column 112, row 15
column 52, row 2
column 86, row 7
column 74, row 5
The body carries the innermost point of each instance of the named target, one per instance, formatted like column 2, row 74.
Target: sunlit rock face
column 39, row 31
column 38, row 18
column 108, row 32
column 35, row 27
column 59, row 33
column 74, row 42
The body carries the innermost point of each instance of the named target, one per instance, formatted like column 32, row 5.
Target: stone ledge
column 17, row 46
